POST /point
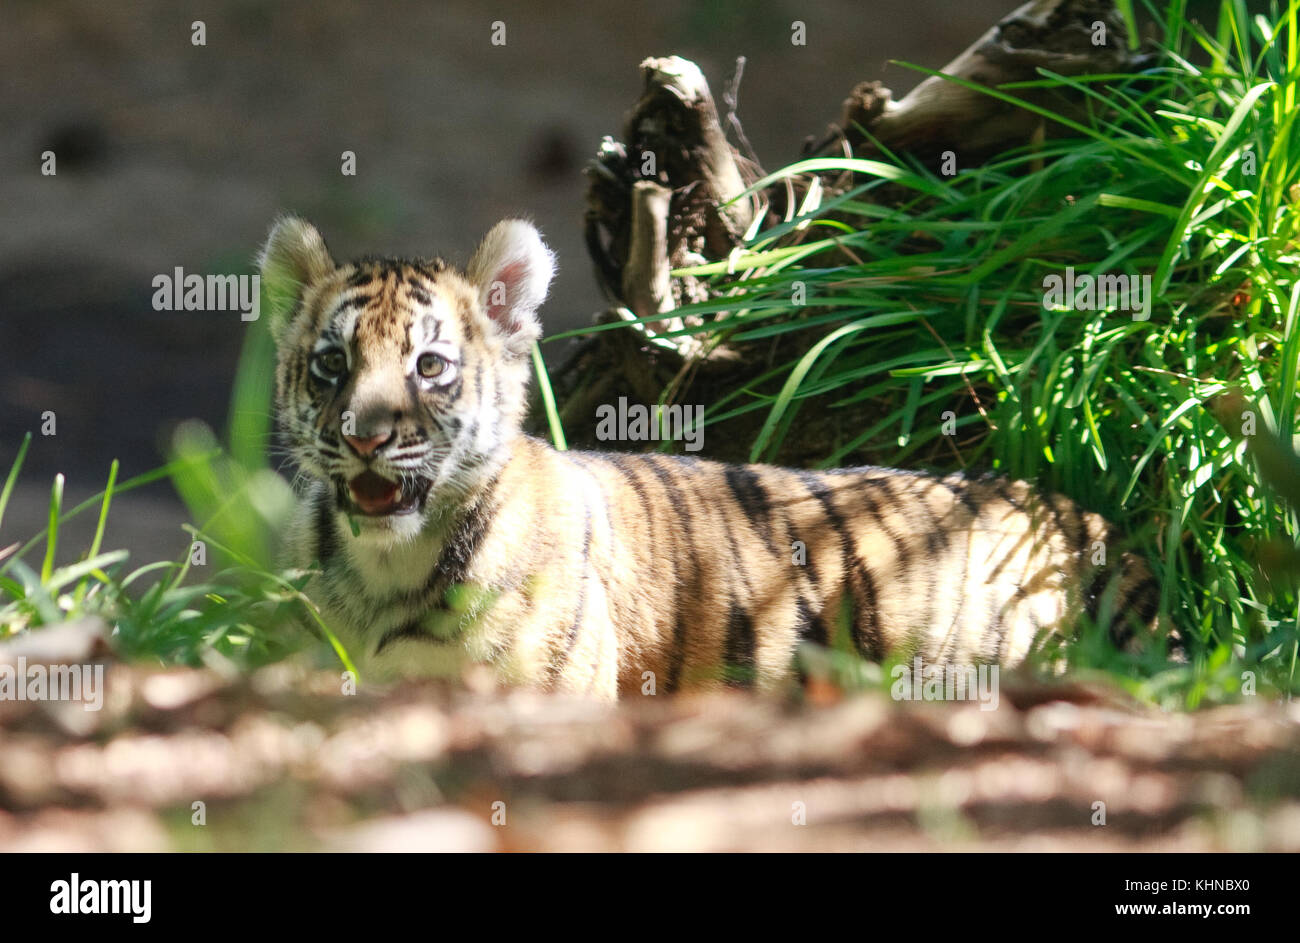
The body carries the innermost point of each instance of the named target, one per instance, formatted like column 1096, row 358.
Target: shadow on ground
column 283, row 759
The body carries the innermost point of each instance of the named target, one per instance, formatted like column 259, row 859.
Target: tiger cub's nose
column 368, row 445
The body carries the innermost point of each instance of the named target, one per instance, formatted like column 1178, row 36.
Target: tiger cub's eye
column 331, row 363
column 430, row 365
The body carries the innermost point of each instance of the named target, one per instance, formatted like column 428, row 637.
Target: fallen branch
column 1067, row 37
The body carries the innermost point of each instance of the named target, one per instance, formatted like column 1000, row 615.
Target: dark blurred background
column 170, row 154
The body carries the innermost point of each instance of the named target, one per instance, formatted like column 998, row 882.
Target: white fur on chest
column 386, row 568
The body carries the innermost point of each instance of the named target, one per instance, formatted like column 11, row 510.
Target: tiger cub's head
column 401, row 383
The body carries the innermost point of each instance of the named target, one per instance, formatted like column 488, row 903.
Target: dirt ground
column 284, row 759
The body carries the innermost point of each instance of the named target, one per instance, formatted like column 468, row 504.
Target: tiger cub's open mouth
column 374, row 495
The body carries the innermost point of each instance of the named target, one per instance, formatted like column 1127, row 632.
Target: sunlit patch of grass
column 226, row 599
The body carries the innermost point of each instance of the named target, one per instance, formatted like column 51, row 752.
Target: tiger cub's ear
column 512, row 270
column 294, row 256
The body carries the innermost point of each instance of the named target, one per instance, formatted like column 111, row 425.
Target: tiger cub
column 445, row 535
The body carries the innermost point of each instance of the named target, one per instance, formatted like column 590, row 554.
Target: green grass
column 155, row 612
column 923, row 294
column 224, row 602
column 932, row 300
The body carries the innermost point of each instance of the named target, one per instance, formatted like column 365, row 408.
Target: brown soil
column 283, row 760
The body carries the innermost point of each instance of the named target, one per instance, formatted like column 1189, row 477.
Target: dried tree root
column 667, row 196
